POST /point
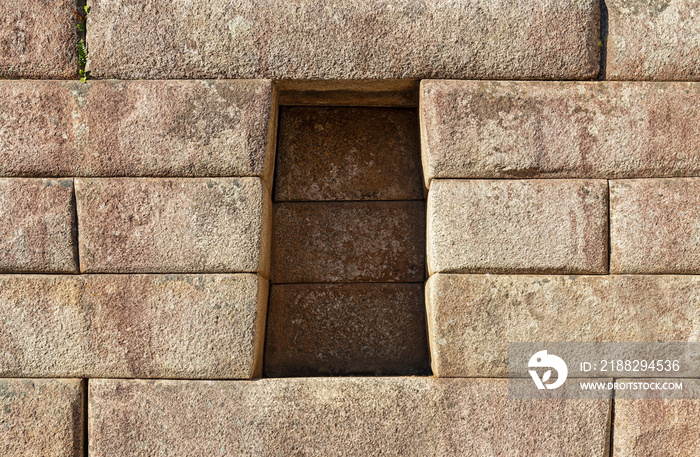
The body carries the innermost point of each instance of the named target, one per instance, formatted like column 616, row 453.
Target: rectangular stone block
column 338, row 416
column 41, row 127
column 524, row 226
column 508, row 129
column 41, row 417
column 125, row 326
column 192, row 225
column 657, row 427
column 472, row 318
column 137, row 128
column 345, row 39
column 653, row 40
column 348, row 242
column 38, row 39
column 37, row 226
column 348, row 153
column 655, row 226
column 346, row 329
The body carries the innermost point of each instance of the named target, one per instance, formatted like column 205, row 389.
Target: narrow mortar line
column 609, row 221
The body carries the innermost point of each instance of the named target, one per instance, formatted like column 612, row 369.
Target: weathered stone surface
column 657, row 427
column 331, row 153
column 180, row 128
column 41, row 417
column 342, row 329
column 39, row 135
column 505, row 129
column 137, row 128
column 173, row 225
column 653, row 40
column 348, row 242
column 655, row 226
column 472, row 318
column 37, row 226
column 345, row 39
column 338, row 416
column 163, row 326
column 38, row 39
column 523, row 226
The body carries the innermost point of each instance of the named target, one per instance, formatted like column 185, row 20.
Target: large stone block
column 653, row 40
column 41, row 417
column 180, row 128
column 38, row 39
column 41, row 127
column 124, row 326
column 173, row 225
column 524, row 226
column 655, row 226
column 332, row 153
column 137, row 128
column 338, row 416
column 472, row 318
column 37, row 226
column 657, row 427
column 345, row 39
column 346, row 329
column 507, row 129
column 349, row 242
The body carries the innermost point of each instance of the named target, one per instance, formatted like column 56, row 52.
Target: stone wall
column 149, row 216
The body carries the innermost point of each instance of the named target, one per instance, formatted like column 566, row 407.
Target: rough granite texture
column 653, row 40
column 137, row 128
column 41, row 417
column 195, row 225
column 472, row 318
column 655, row 226
column 37, row 226
column 161, row 326
column 505, row 129
column 38, row 39
column 346, row 329
column 348, row 242
column 657, row 427
column 525, row 226
column 331, row 153
column 345, row 39
column 338, row 416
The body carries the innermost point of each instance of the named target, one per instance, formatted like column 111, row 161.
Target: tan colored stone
column 653, row 40
column 507, row 129
column 346, row 329
column 38, row 39
column 348, row 242
column 137, row 128
column 40, row 127
column 657, row 427
column 339, row 416
column 41, row 417
column 180, row 128
column 524, row 226
column 655, row 226
column 472, row 318
column 162, row 326
column 332, row 153
column 193, row 225
column 37, row 226
column 345, row 39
